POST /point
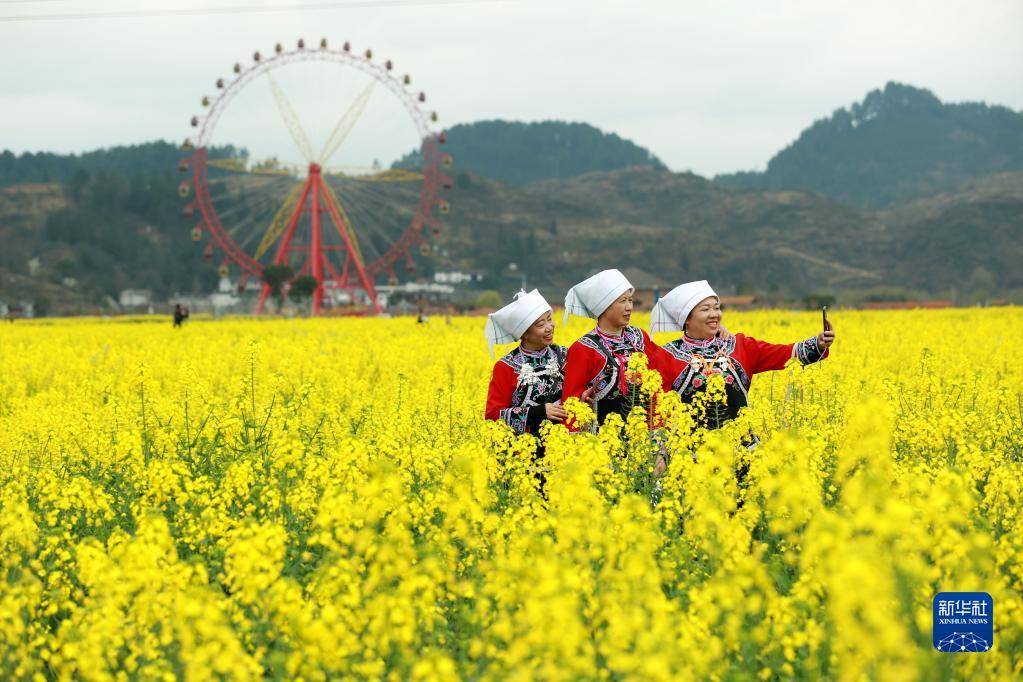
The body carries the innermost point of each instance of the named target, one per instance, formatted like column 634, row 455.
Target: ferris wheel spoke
column 249, row 183
column 250, row 228
column 371, row 211
column 291, row 120
column 230, row 215
column 345, row 124
column 338, row 209
column 234, row 201
column 248, row 241
column 236, row 186
column 235, row 218
column 242, row 232
column 270, row 206
column 259, row 205
column 277, row 225
column 367, row 229
column 395, row 199
column 367, row 234
column 270, row 167
column 244, row 179
column 356, row 216
column 229, row 206
column 373, row 174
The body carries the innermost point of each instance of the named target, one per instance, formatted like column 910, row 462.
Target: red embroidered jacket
column 522, row 384
column 691, row 362
column 598, row 360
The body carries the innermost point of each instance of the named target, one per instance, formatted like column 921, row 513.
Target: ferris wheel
column 262, row 194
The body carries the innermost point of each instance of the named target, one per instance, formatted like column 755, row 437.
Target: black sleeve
column 534, row 416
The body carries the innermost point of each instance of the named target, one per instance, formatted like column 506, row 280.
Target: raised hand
column 555, row 411
column 660, row 466
column 826, row 337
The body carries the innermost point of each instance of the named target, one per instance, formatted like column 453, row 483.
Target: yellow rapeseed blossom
column 321, row 499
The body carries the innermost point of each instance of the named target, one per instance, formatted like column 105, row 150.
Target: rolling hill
column 899, row 144
column 76, row 230
column 681, row 226
column 518, row 153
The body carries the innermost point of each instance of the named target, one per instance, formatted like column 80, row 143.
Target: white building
column 224, row 299
column 454, row 277
column 131, row 298
column 410, row 294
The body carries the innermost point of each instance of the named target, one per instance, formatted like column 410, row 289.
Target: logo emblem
column 963, row 622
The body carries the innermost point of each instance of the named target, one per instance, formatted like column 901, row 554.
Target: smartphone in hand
column 824, row 318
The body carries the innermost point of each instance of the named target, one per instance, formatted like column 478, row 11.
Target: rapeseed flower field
column 321, row 498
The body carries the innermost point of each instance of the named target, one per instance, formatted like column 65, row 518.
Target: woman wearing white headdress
column 596, row 362
column 695, row 310
column 525, row 388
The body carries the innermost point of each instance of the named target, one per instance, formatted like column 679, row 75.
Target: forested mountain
column 76, row 243
column 971, row 236
column 151, row 157
column 118, row 234
column 519, row 153
column 898, row 144
column 96, row 223
column 77, row 229
column 677, row 226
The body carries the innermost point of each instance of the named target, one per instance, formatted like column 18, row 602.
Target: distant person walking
column 180, row 314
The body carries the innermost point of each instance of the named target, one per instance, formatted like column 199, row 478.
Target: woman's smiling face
column 704, row 321
column 541, row 333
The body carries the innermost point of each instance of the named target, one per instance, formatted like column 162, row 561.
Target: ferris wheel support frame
column 314, row 193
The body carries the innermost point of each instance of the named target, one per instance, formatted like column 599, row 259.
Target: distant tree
column 531, row 242
column 77, row 184
column 41, row 307
column 302, row 289
column 489, row 299
column 817, row 300
column 65, row 267
column 275, row 277
column 888, row 293
column 981, row 285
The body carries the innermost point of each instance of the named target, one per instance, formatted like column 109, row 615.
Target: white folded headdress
column 671, row 311
column 510, row 322
column 591, row 297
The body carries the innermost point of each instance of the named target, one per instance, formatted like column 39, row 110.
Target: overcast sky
column 708, row 86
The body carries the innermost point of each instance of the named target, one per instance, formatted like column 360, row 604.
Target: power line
column 235, row 9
